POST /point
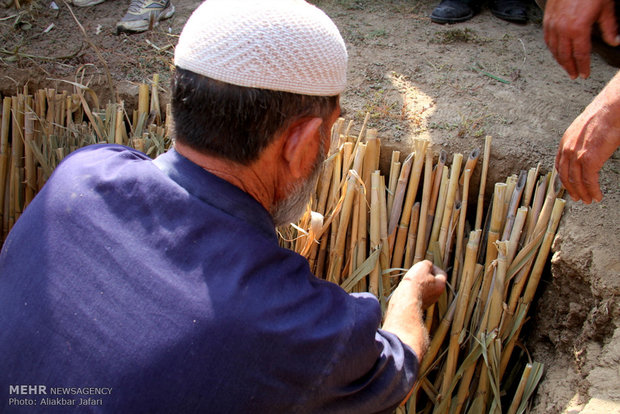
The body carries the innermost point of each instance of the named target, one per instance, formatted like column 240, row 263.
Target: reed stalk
column 30, row 167
column 460, row 233
column 399, row 196
column 447, row 214
column 5, row 152
column 412, row 190
column 483, row 180
column 530, row 184
column 412, row 235
column 513, row 205
column 375, row 232
column 516, row 400
column 436, row 182
column 470, row 164
column 463, row 297
column 393, row 179
column 439, row 209
column 493, row 236
column 384, row 257
column 427, row 189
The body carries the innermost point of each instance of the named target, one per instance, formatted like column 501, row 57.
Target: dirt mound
column 451, row 84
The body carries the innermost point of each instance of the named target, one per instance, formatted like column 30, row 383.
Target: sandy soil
column 416, row 79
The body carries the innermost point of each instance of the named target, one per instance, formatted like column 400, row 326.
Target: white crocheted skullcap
column 282, row 45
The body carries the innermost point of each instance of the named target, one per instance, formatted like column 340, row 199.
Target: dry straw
column 423, row 212
column 361, row 230
column 39, row 129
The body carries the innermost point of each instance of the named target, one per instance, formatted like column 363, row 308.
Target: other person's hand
column 567, row 26
column 588, row 142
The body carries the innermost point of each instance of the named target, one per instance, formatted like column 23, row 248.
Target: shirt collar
column 215, row 191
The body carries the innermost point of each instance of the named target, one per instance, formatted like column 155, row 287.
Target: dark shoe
column 511, row 10
column 452, row 11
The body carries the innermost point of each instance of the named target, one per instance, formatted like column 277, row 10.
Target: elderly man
column 161, row 283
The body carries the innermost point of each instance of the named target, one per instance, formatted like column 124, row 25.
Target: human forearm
column 404, row 318
column 419, row 288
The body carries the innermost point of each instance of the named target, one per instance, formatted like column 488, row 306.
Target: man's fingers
column 437, row 271
column 608, row 25
column 565, row 57
column 575, row 178
column 591, row 184
column 581, row 55
column 562, row 165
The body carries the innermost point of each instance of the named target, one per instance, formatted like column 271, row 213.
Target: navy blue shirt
column 166, row 285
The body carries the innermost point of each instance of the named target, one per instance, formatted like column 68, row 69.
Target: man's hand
column 588, row 142
column 420, row 287
column 568, row 27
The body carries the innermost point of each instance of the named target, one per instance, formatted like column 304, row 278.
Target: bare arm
column 418, row 289
column 567, row 26
column 588, row 142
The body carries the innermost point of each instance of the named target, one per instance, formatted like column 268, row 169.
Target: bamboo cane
column 337, row 253
column 17, row 157
column 483, row 180
column 143, row 100
column 370, row 165
column 530, row 184
column 461, row 229
column 362, row 230
column 515, row 235
column 326, row 175
column 347, row 158
column 412, row 235
column 439, row 209
column 412, row 190
column 119, row 127
column 155, row 107
column 535, row 275
column 5, row 151
column 461, row 306
column 438, row 337
column 393, row 181
column 427, row 189
column 543, row 252
column 470, row 164
column 516, row 400
column 30, row 167
column 493, row 236
column 454, row 220
column 399, row 196
column 437, row 180
column 457, row 159
column 384, row 257
column 375, row 232
column 513, row 205
column 354, row 236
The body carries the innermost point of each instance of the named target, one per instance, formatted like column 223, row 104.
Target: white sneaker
column 141, row 12
column 86, row 3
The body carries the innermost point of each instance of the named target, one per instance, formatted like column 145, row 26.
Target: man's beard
column 291, row 208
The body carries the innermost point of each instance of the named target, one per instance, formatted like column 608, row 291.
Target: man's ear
column 301, row 146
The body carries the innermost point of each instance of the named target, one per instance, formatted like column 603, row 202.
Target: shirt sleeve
column 372, row 372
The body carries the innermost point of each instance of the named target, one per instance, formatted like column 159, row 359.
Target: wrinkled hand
column 429, row 280
column 588, row 142
column 567, row 26
column 419, row 288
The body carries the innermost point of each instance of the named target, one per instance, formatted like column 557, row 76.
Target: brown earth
column 415, row 79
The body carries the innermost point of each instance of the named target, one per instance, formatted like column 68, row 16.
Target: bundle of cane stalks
column 363, row 230
column 38, row 130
